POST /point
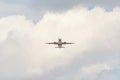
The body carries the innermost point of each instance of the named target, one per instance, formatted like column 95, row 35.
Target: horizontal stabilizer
column 59, row 47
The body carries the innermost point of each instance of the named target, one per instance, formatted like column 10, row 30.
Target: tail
column 59, row 47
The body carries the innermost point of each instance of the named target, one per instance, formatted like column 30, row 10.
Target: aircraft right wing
column 52, row 43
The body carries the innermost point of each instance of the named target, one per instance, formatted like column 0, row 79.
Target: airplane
column 59, row 43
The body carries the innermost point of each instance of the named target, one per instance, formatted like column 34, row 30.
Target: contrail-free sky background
column 25, row 25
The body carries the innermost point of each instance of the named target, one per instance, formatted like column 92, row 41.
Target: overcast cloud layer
column 94, row 56
column 64, row 4
column 57, row 5
column 35, row 9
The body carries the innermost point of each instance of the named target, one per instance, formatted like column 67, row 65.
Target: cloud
column 58, row 5
column 94, row 56
column 7, row 9
column 34, row 9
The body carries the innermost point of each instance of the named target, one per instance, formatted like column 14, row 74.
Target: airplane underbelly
column 59, row 45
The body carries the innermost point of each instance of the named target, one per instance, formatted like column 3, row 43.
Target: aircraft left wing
column 67, row 43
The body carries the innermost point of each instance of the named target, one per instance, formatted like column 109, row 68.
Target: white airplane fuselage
column 59, row 43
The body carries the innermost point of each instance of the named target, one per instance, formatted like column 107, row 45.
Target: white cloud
column 92, row 71
column 25, row 56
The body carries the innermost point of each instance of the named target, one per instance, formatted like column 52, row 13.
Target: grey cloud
column 53, row 4
column 57, row 5
column 35, row 9
column 7, row 9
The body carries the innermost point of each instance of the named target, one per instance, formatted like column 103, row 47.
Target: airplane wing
column 52, row 43
column 67, row 43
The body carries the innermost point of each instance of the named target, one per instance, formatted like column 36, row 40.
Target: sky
column 26, row 25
